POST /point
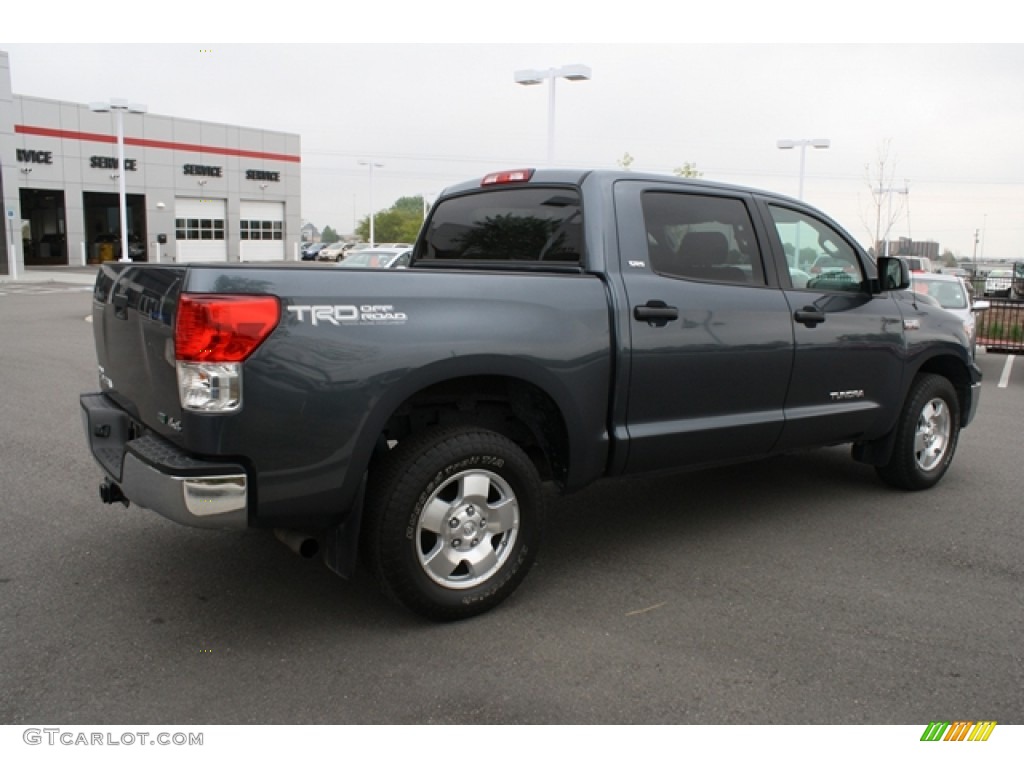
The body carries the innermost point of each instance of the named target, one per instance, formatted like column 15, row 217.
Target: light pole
column 573, row 72
column 803, row 144
column 371, row 165
column 119, row 107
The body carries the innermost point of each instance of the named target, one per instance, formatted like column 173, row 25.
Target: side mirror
column 893, row 274
column 980, row 305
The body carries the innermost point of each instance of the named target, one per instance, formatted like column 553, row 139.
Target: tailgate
column 133, row 318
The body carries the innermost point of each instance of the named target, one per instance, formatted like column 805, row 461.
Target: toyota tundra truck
column 554, row 326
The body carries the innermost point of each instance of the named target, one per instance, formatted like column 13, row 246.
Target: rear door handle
column 656, row 313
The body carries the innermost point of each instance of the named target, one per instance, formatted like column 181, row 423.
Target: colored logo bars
column 959, row 730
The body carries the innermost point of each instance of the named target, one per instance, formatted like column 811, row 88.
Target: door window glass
column 818, row 257
column 701, row 237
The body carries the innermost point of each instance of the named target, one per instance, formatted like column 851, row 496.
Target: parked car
column 997, row 282
column 378, row 258
column 950, row 292
column 332, row 252
column 311, row 250
column 824, row 264
column 799, row 278
column 1018, row 281
column 422, row 419
column 919, row 264
column 829, row 270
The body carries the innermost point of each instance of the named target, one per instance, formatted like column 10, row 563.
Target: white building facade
column 196, row 191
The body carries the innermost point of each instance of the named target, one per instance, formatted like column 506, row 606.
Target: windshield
column 948, row 293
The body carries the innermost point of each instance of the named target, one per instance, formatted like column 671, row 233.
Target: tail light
column 214, row 334
column 507, row 177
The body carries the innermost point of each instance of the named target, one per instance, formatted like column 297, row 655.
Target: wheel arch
column 879, row 451
column 958, row 374
column 516, row 397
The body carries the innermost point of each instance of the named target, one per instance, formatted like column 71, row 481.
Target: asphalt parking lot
column 795, row 590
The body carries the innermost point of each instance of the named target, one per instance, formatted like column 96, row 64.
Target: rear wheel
column 926, row 436
column 453, row 521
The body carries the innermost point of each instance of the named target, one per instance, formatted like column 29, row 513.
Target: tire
column 454, row 518
column 926, row 435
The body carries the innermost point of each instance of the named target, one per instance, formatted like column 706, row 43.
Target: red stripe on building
column 55, row 133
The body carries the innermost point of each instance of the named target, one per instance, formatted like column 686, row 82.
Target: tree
column 626, row 161
column 411, row 205
column 687, row 170
column 328, row 235
column 398, row 224
column 879, row 179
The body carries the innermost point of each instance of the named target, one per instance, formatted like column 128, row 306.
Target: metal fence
column 1001, row 326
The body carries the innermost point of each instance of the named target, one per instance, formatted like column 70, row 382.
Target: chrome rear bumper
column 154, row 473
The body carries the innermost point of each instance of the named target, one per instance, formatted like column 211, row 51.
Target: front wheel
column 453, row 521
column 926, row 435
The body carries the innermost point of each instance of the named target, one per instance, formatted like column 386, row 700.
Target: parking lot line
column 1004, row 379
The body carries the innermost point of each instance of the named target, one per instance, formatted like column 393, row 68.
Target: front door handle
column 656, row 313
column 809, row 316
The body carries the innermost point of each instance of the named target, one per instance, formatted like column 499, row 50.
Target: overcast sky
column 952, row 116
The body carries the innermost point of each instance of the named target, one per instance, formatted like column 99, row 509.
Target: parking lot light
column 119, row 107
column 573, row 72
column 803, row 144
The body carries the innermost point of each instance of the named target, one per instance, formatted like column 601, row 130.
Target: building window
column 261, row 230
column 199, row 229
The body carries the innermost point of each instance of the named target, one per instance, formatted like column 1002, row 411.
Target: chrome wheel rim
column 931, row 440
column 466, row 529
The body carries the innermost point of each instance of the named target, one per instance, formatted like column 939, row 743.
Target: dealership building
column 195, row 191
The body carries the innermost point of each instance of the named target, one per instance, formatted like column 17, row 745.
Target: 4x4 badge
column 170, row 421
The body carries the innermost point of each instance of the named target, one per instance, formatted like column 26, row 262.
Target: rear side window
column 701, row 237
column 535, row 224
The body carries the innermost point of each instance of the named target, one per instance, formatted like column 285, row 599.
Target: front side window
column 701, row 237
column 536, row 224
column 818, row 257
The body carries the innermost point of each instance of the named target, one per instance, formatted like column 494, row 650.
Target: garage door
column 261, row 231
column 199, row 230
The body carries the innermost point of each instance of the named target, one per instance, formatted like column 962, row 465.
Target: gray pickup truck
column 558, row 326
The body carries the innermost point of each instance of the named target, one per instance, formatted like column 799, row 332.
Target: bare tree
column 880, row 182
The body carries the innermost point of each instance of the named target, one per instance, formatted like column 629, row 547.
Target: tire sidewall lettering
column 404, row 485
column 439, row 479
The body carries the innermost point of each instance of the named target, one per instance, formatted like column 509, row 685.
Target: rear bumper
column 157, row 475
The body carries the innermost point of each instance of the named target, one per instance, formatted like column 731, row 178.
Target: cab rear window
column 535, row 224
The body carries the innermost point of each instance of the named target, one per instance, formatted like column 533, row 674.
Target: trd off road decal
column 348, row 314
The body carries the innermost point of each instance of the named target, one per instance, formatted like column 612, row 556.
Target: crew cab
column 553, row 326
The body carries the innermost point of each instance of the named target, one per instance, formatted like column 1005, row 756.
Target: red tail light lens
column 507, row 177
column 223, row 328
